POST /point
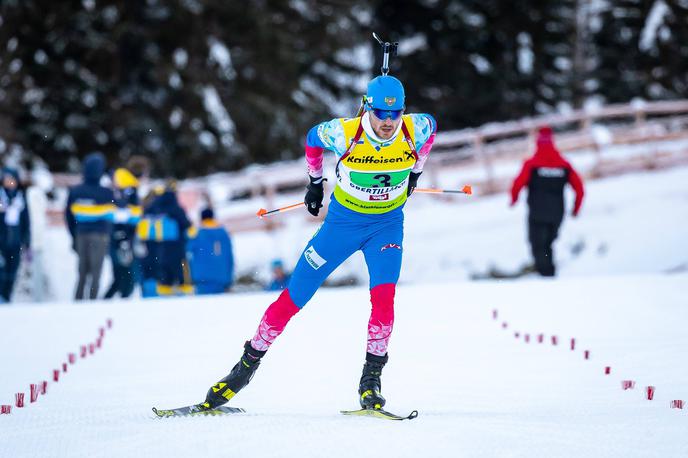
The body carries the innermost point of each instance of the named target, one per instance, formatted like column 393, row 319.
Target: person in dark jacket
column 126, row 217
column 546, row 174
column 15, row 233
column 211, row 260
column 170, row 226
column 89, row 213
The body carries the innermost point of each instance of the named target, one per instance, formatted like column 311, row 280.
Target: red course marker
column 586, row 354
column 573, row 344
column 19, row 399
column 56, row 375
column 627, row 384
column 607, row 370
column 5, row 409
column 554, row 340
column 34, row 392
column 677, row 404
column 650, row 390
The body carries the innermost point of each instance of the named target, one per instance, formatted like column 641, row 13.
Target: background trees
column 207, row 85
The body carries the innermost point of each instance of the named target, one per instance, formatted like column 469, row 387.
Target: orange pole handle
column 263, row 212
column 465, row 190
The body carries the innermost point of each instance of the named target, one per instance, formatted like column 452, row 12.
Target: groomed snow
column 479, row 391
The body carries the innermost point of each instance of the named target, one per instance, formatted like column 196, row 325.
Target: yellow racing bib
column 374, row 178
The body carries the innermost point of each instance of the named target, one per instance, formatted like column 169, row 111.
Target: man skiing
column 380, row 158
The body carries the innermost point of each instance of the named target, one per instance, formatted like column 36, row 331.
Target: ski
column 196, row 410
column 379, row 413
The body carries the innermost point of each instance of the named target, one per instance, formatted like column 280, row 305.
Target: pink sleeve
column 314, row 160
column 423, row 154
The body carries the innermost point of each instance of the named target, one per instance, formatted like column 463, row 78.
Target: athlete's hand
column 413, row 182
column 314, row 195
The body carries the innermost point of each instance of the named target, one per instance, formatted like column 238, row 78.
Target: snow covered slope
column 480, row 391
column 629, row 224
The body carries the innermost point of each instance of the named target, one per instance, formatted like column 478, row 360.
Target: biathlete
column 380, row 158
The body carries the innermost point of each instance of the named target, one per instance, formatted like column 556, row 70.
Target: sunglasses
column 384, row 114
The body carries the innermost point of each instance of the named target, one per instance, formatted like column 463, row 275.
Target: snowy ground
column 479, row 390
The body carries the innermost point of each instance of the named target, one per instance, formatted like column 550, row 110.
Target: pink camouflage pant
column 380, row 325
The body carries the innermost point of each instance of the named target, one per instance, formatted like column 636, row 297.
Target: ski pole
column 465, row 190
column 263, row 212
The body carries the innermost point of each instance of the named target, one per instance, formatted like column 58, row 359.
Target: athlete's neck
column 365, row 120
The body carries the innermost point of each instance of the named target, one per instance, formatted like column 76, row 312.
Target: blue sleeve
column 312, row 138
column 180, row 216
column 328, row 135
column 69, row 216
column 424, row 126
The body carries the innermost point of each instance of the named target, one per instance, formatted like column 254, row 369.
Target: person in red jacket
column 546, row 174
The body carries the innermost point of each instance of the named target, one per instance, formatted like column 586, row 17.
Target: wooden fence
column 483, row 147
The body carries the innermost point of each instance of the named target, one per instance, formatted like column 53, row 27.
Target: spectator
column 280, row 279
column 209, row 251
column 170, row 228
column 37, row 199
column 89, row 211
column 126, row 217
column 15, row 233
column 546, row 174
column 146, row 246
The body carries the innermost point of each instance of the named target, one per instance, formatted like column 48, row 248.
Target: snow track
column 479, row 391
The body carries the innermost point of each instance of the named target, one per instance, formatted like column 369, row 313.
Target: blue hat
column 386, row 93
column 9, row 171
column 207, row 213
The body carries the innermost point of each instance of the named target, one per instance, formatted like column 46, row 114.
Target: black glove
column 314, row 195
column 413, row 182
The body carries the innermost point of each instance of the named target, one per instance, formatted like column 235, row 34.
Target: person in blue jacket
column 280, row 279
column 146, row 245
column 15, row 233
column 170, row 225
column 211, row 260
column 89, row 214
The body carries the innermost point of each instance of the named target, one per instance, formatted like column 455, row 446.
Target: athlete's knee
column 382, row 299
column 282, row 309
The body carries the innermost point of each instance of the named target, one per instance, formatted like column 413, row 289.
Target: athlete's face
column 384, row 128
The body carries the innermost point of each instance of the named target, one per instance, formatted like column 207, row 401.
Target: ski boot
column 370, row 386
column 241, row 374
